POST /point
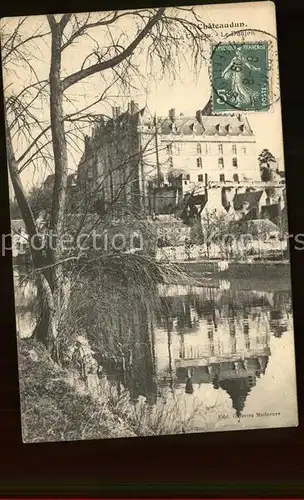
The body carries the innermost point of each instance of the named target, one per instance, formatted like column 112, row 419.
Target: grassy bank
column 52, row 409
column 55, row 410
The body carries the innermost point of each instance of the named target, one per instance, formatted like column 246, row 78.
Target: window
column 235, row 177
column 199, row 163
column 244, row 150
column 268, row 201
column 234, row 149
column 220, row 149
column 234, row 162
column 199, row 148
column 188, row 177
column 200, row 178
column 222, row 178
column 171, row 162
column 221, row 162
column 169, row 149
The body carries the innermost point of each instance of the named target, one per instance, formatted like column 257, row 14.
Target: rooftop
column 209, row 125
column 250, row 197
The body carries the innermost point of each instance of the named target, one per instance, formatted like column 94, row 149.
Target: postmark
column 240, row 77
column 244, row 72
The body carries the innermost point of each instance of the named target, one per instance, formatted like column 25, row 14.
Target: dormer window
column 242, row 128
column 217, row 127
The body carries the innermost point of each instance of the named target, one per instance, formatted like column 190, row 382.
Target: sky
column 186, row 92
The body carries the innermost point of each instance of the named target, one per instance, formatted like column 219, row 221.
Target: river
column 222, row 354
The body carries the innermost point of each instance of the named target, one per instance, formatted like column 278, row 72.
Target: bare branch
column 64, row 21
column 52, row 21
column 111, row 63
column 81, row 30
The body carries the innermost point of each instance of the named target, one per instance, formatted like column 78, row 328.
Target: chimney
column 133, row 107
column 115, row 111
column 172, row 114
column 214, row 199
column 199, row 117
column 227, row 197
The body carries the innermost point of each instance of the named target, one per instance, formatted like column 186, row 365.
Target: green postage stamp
column 240, row 77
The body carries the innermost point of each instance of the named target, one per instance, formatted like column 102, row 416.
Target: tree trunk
column 61, row 165
column 45, row 329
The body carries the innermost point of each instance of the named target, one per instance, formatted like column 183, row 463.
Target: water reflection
column 201, row 335
column 180, row 339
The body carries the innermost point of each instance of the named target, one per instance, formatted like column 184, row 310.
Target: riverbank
column 53, row 410
column 237, row 269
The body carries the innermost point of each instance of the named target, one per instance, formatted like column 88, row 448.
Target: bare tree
column 158, row 33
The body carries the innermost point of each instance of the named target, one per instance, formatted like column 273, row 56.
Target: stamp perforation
column 271, row 67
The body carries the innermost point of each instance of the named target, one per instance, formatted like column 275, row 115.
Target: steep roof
column 210, row 125
column 270, row 212
column 238, row 390
column 251, row 197
column 204, row 123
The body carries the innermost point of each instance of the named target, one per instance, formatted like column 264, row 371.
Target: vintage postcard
column 149, row 222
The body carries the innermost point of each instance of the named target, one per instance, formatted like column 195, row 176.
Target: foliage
column 266, row 158
column 40, row 200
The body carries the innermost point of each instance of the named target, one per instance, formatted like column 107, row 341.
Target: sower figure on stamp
column 241, row 92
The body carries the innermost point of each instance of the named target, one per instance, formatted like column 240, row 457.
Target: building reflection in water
column 197, row 336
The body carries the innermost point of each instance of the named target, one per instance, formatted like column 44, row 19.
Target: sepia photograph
column 149, row 229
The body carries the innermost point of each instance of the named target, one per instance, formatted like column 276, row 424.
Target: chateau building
column 209, row 148
column 134, row 157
